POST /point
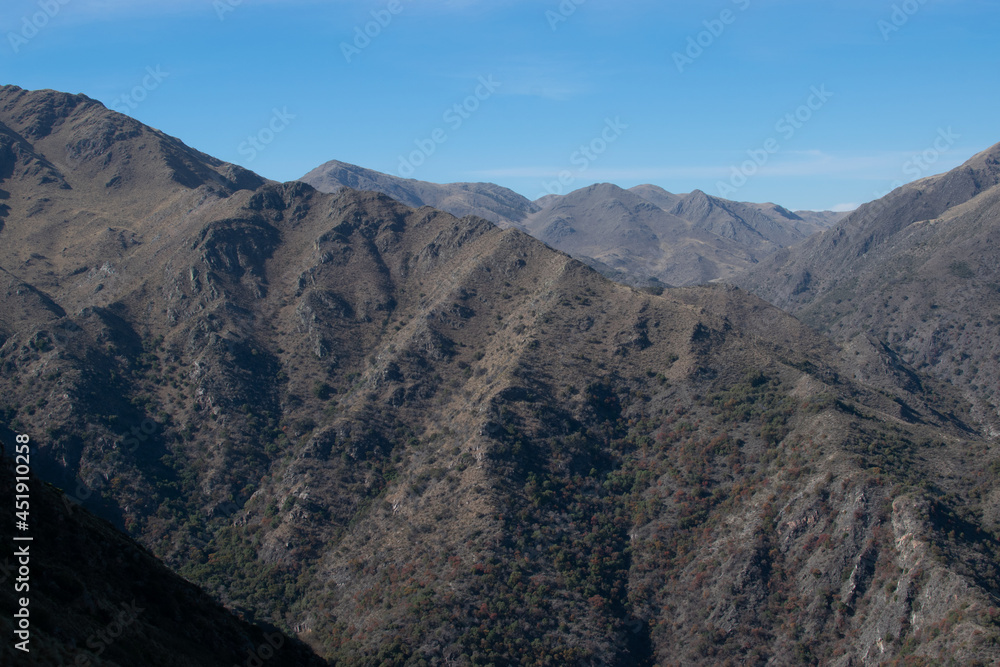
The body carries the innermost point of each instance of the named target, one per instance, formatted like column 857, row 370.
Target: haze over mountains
column 635, row 236
column 400, row 436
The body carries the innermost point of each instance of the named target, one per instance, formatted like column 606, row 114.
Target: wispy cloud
column 546, row 78
column 559, row 91
column 844, row 208
column 104, row 10
column 874, row 167
column 607, row 174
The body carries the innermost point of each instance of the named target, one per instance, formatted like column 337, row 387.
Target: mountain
column 625, row 232
column 754, row 225
column 485, row 200
column 916, row 271
column 402, row 436
column 823, row 219
column 97, row 597
column 681, row 240
column 647, row 232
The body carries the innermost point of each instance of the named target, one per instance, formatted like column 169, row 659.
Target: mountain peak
column 486, row 200
column 89, row 146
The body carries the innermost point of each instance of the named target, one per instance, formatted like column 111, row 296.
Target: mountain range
column 915, row 272
column 403, row 437
column 640, row 236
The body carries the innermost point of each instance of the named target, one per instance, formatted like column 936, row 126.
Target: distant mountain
column 647, row 232
column 626, row 233
column 758, row 226
column 918, row 270
column 658, row 196
column 408, row 438
column 485, row 200
column 683, row 240
column 823, row 219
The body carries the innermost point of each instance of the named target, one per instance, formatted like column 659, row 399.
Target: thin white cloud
column 813, row 163
column 559, row 91
column 102, row 10
column 546, row 77
column 638, row 173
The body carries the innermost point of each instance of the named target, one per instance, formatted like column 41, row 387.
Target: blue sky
column 805, row 103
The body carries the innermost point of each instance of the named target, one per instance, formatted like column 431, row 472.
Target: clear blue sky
column 554, row 85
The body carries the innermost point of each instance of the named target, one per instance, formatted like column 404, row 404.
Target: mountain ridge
column 485, row 200
column 756, row 229
column 913, row 269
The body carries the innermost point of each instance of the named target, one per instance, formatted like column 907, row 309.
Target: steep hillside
column 917, row 270
column 486, row 200
column 404, row 436
column 98, row 598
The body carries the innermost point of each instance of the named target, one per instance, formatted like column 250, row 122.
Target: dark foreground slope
column 405, row 436
column 98, row 598
column 918, row 271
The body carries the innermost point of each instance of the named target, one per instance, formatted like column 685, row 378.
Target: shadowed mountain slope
column 98, row 598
